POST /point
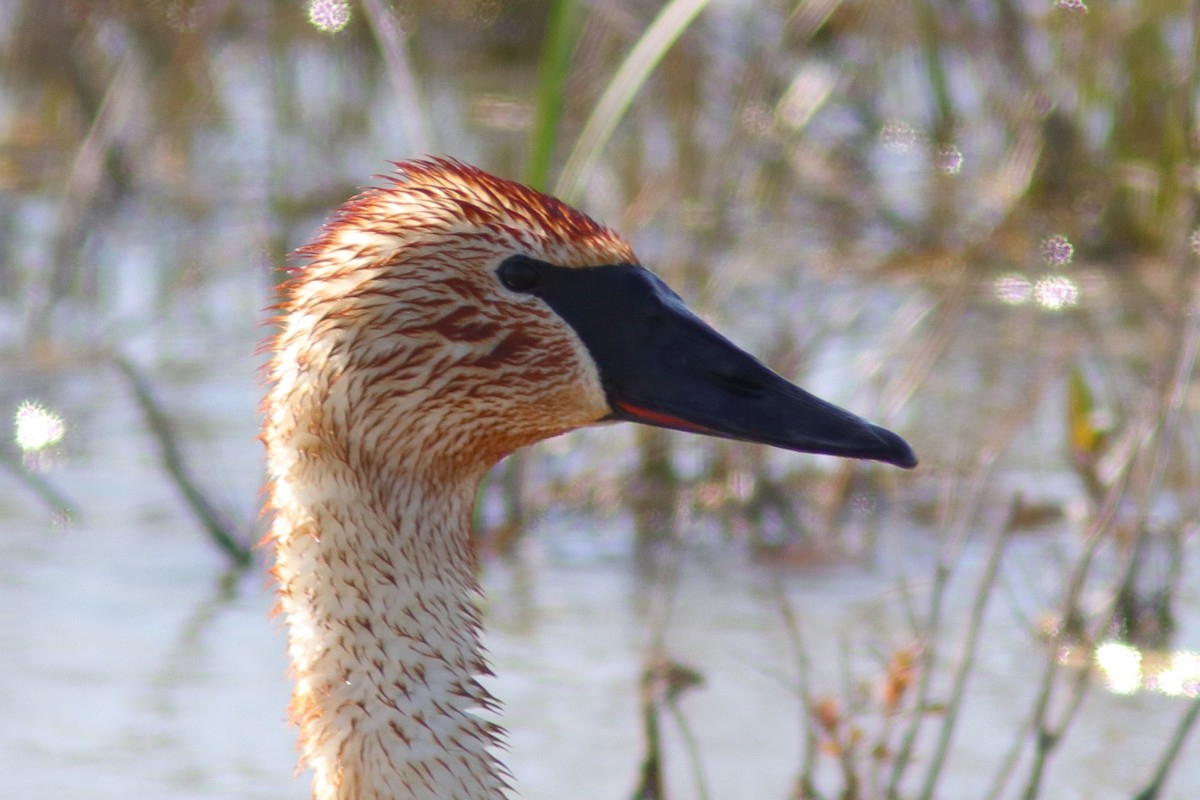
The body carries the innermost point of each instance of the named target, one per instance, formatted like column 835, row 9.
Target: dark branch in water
column 219, row 529
column 38, row 485
column 1171, row 754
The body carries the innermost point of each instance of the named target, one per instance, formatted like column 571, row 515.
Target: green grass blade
column 562, row 32
column 626, row 83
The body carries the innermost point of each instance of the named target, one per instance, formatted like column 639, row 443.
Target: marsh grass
column 862, row 192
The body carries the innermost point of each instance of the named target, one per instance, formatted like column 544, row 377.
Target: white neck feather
column 378, row 590
column 403, row 370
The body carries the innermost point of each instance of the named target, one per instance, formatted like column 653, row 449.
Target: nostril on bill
column 739, row 383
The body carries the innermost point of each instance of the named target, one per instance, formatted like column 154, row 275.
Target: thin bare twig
column 1167, row 416
column 1162, row 436
column 404, row 82
column 1154, row 788
column 1047, row 737
column 59, row 505
column 219, row 529
column 657, row 669
column 933, row 622
column 690, row 744
column 83, row 194
column 982, row 595
column 805, row 782
column 954, row 537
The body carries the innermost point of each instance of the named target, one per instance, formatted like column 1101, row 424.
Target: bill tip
column 900, row 453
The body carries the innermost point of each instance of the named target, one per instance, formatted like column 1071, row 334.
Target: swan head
column 459, row 316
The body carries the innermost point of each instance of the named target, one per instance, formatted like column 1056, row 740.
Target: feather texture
column 401, row 372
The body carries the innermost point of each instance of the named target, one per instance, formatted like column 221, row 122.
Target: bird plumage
column 441, row 322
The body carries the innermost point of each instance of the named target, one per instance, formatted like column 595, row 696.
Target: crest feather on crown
column 434, row 197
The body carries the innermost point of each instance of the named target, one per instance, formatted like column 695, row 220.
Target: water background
column 799, row 186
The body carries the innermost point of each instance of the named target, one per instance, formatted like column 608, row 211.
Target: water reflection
column 898, row 136
column 1057, row 250
column 229, row 160
column 329, row 16
column 37, row 427
column 1051, row 292
column 1055, row 292
column 1126, row 669
column 1121, row 666
column 950, row 160
column 1012, row 289
column 38, row 431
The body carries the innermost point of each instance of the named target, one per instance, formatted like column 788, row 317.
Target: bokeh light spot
column 37, row 427
column 1181, row 677
column 329, row 15
column 897, row 137
column 1013, row 289
column 1054, row 292
column 950, row 160
column 1058, row 250
column 486, row 12
column 757, row 118
column 1127, row 669
column 1121, row 666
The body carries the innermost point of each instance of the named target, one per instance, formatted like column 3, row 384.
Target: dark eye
column 519, row 273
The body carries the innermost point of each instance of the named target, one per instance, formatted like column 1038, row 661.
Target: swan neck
column 380, row 592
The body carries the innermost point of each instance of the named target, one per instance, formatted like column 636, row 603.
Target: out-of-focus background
column 973, row 222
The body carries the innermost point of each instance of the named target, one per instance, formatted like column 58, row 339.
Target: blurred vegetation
column 993, row 202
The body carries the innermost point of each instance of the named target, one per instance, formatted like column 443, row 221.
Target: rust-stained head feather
column 403, row 368
column 398, row 334
column 441, row 200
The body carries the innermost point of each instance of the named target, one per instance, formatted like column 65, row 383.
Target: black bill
column 662, row 365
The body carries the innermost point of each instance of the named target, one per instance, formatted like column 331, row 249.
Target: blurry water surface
column 155, row 176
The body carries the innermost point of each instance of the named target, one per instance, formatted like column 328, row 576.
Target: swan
column 440, row 322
